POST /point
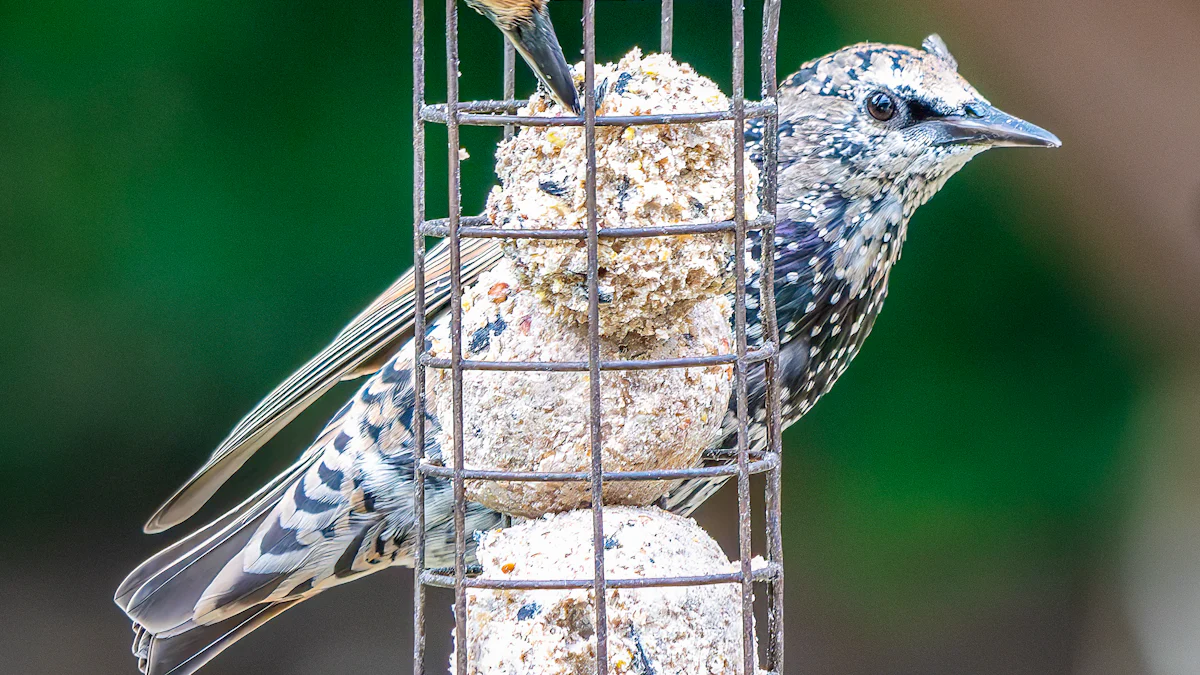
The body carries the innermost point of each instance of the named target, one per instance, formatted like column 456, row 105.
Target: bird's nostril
column 972, row 111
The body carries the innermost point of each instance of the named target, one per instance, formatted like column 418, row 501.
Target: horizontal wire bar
column 478, row 227
column 763, row 465
column 753, row 356
column 441, row 578
column 488, row 114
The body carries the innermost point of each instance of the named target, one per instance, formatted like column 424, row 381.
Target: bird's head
column 873, row 118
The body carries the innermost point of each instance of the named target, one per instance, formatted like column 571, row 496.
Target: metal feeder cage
column 454, row 114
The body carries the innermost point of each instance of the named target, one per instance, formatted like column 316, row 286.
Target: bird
column 866, row 135
column 527, row 25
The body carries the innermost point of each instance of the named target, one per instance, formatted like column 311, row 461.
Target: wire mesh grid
column 454, row 114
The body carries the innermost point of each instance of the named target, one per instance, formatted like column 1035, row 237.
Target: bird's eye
column 881, row 106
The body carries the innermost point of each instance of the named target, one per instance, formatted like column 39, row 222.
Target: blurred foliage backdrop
column 195, row 196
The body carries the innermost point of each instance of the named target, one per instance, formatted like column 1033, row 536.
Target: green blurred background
column 195, row 196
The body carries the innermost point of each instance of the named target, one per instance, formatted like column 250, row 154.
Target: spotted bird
column 866, row 135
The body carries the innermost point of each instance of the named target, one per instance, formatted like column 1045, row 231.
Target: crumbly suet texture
column 646, row 176
column 538, row 421
column 693, row 629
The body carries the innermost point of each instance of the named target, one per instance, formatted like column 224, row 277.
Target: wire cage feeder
column 454, row 114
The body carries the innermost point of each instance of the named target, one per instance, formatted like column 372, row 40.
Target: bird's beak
column 539, row 46
column 986, row 125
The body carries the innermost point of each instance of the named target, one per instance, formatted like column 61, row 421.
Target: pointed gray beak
column 538, row 45
column 986, row 125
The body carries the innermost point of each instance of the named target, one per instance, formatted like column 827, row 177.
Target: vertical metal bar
column 510, row 81
column 418, row 451
column 455, row 208
column 739, row 217
column 510, row 93
column 667, row 37
column 593, row 280
column 768, row 204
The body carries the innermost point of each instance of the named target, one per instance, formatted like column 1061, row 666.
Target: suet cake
column 689, row 629
column 538, row 421
column 646, row 176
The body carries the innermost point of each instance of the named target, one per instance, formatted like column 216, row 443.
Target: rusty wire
column 745, row 462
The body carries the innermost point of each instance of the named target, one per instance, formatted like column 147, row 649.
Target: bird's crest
column 934, row 44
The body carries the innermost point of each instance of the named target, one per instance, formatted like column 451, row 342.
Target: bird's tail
column 196, row 598
column 185, row 650
column 161, row 595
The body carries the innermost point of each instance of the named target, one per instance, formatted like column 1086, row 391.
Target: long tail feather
column 183, row 652
column 342, row 512
column 169, row 599
column 162, row 592
column 372, row 338
column 194, row 544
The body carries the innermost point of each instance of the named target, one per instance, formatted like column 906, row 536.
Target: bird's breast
column 833, row 257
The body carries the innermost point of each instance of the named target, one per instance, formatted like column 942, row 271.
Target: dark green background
column 195, row 196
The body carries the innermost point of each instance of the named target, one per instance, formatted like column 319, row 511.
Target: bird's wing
column 361, row 348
